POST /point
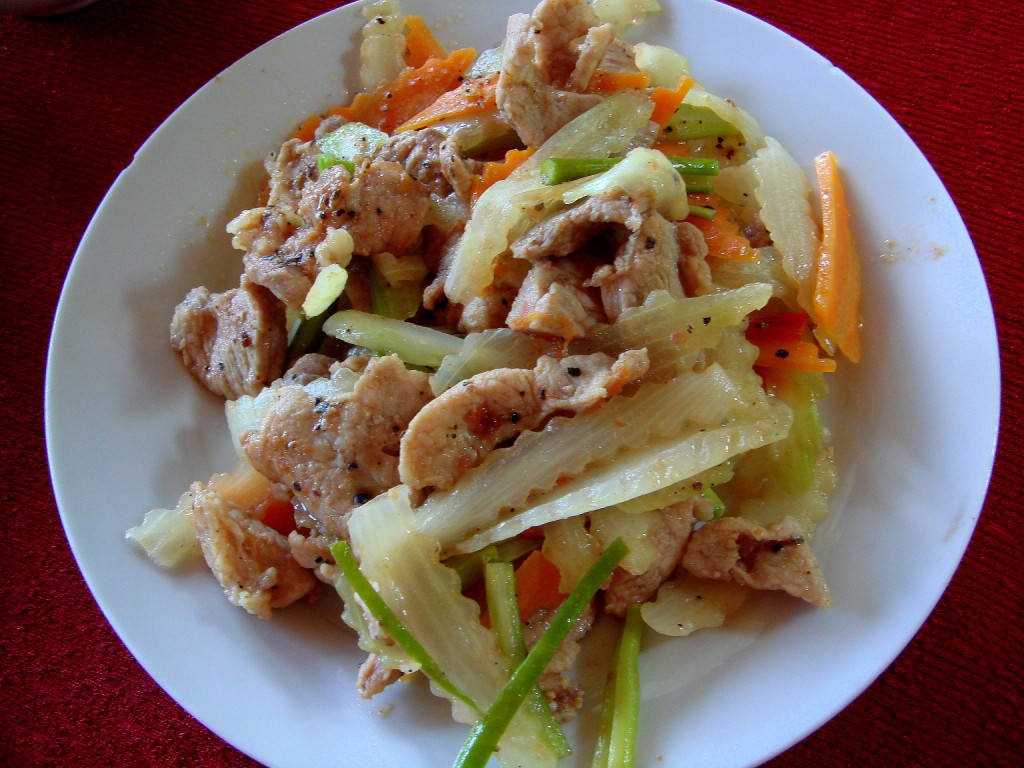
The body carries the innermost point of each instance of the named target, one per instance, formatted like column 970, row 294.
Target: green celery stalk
column 308, row 335
column 694, row 122
column 415, row 344
column 488, row 731
column 348, row 144
column 557, row 170
column 702, row 212
column 503, row 610
column 391, row 623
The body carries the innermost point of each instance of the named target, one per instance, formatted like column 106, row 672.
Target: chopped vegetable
column 537, row 585
column 496, row 171
column 390, row 622
column 667, row 101
column 420, row 44
column 722, row 234
column 471, row 97
column 611, row 82
column 557, row 170
column 415, row 344
column 488, row 731
column 397, row 101
column 697, row 122
column 349, row 144
column 620, row 708
column 836, row 303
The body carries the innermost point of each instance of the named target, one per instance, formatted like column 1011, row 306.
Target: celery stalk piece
column 620, row 707
column 643, row 471
column 471, row 567
column 697, row 122
column 503, row 609
column 702, row 212
column 398, row 302
column 308, row 335
column 415, row 344
column 558, row 170
column 391, row 623
column 539, row 461
column 403, row 566
column 488, row 731
column 348, row 145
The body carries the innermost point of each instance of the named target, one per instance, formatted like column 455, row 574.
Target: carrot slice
column 420, row 44
column 613, row 82
column 471, row 97
column 395, row 102
column 537, row 585
column 667, row 100
column 498, row 170
column 307, row 130
column 836, row 299
column 722, row 232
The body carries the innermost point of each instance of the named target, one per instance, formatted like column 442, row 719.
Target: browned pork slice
column 773, row 556
column 433, row 159
column 591, row 54
column 289, row 169
column 252, row 561
column 571, row 229
column 647, row 261
column 669, row 538
column 559, row 23
column 381, row 206
column 553, row 301
column 456, row 431
column 337, row 453
column 693, row 263
column 374, row 676
column 234, row 342
column 527, row 100
column 307, row 368
column 280, row 251
column 562, row 692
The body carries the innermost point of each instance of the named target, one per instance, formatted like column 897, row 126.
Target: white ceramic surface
column 128, row 429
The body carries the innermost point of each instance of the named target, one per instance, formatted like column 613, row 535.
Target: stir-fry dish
column 522, row 339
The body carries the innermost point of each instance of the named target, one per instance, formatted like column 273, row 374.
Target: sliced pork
column 235, row 342
column 772, row 556
column 456, row 431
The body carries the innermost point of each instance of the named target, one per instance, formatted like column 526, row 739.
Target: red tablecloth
column 80, row 93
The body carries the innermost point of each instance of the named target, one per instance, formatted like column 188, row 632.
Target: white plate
column 128, row 429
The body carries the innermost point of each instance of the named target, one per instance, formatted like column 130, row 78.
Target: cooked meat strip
column 772, row 556
column 558, row 24
column 456, row 431
column 337, row 453
column 280, row 251
column 374, row 677
column 381, row 206
column 433, row 159
column 591, row 54
column 306, row 369
column 234, row 342
column 252, row 561
column 289, row 171
column 625, row 588
column 571, row 229
column 553, row 301
column 562, row 692
column 693, row 264
column 527, row 100
column 647, row 261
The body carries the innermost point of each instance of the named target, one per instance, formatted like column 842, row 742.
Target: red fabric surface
column 80, row 93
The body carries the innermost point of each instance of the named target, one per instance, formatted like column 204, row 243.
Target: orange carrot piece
column 537, row 585
column 667, row 100
column 613, row 82
column 836, row 299
column 307, row 131
column 395, row 102
column 722, row 233
column 498, row 170
column 469, row 98
column 796, row 356
column 420, row 44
